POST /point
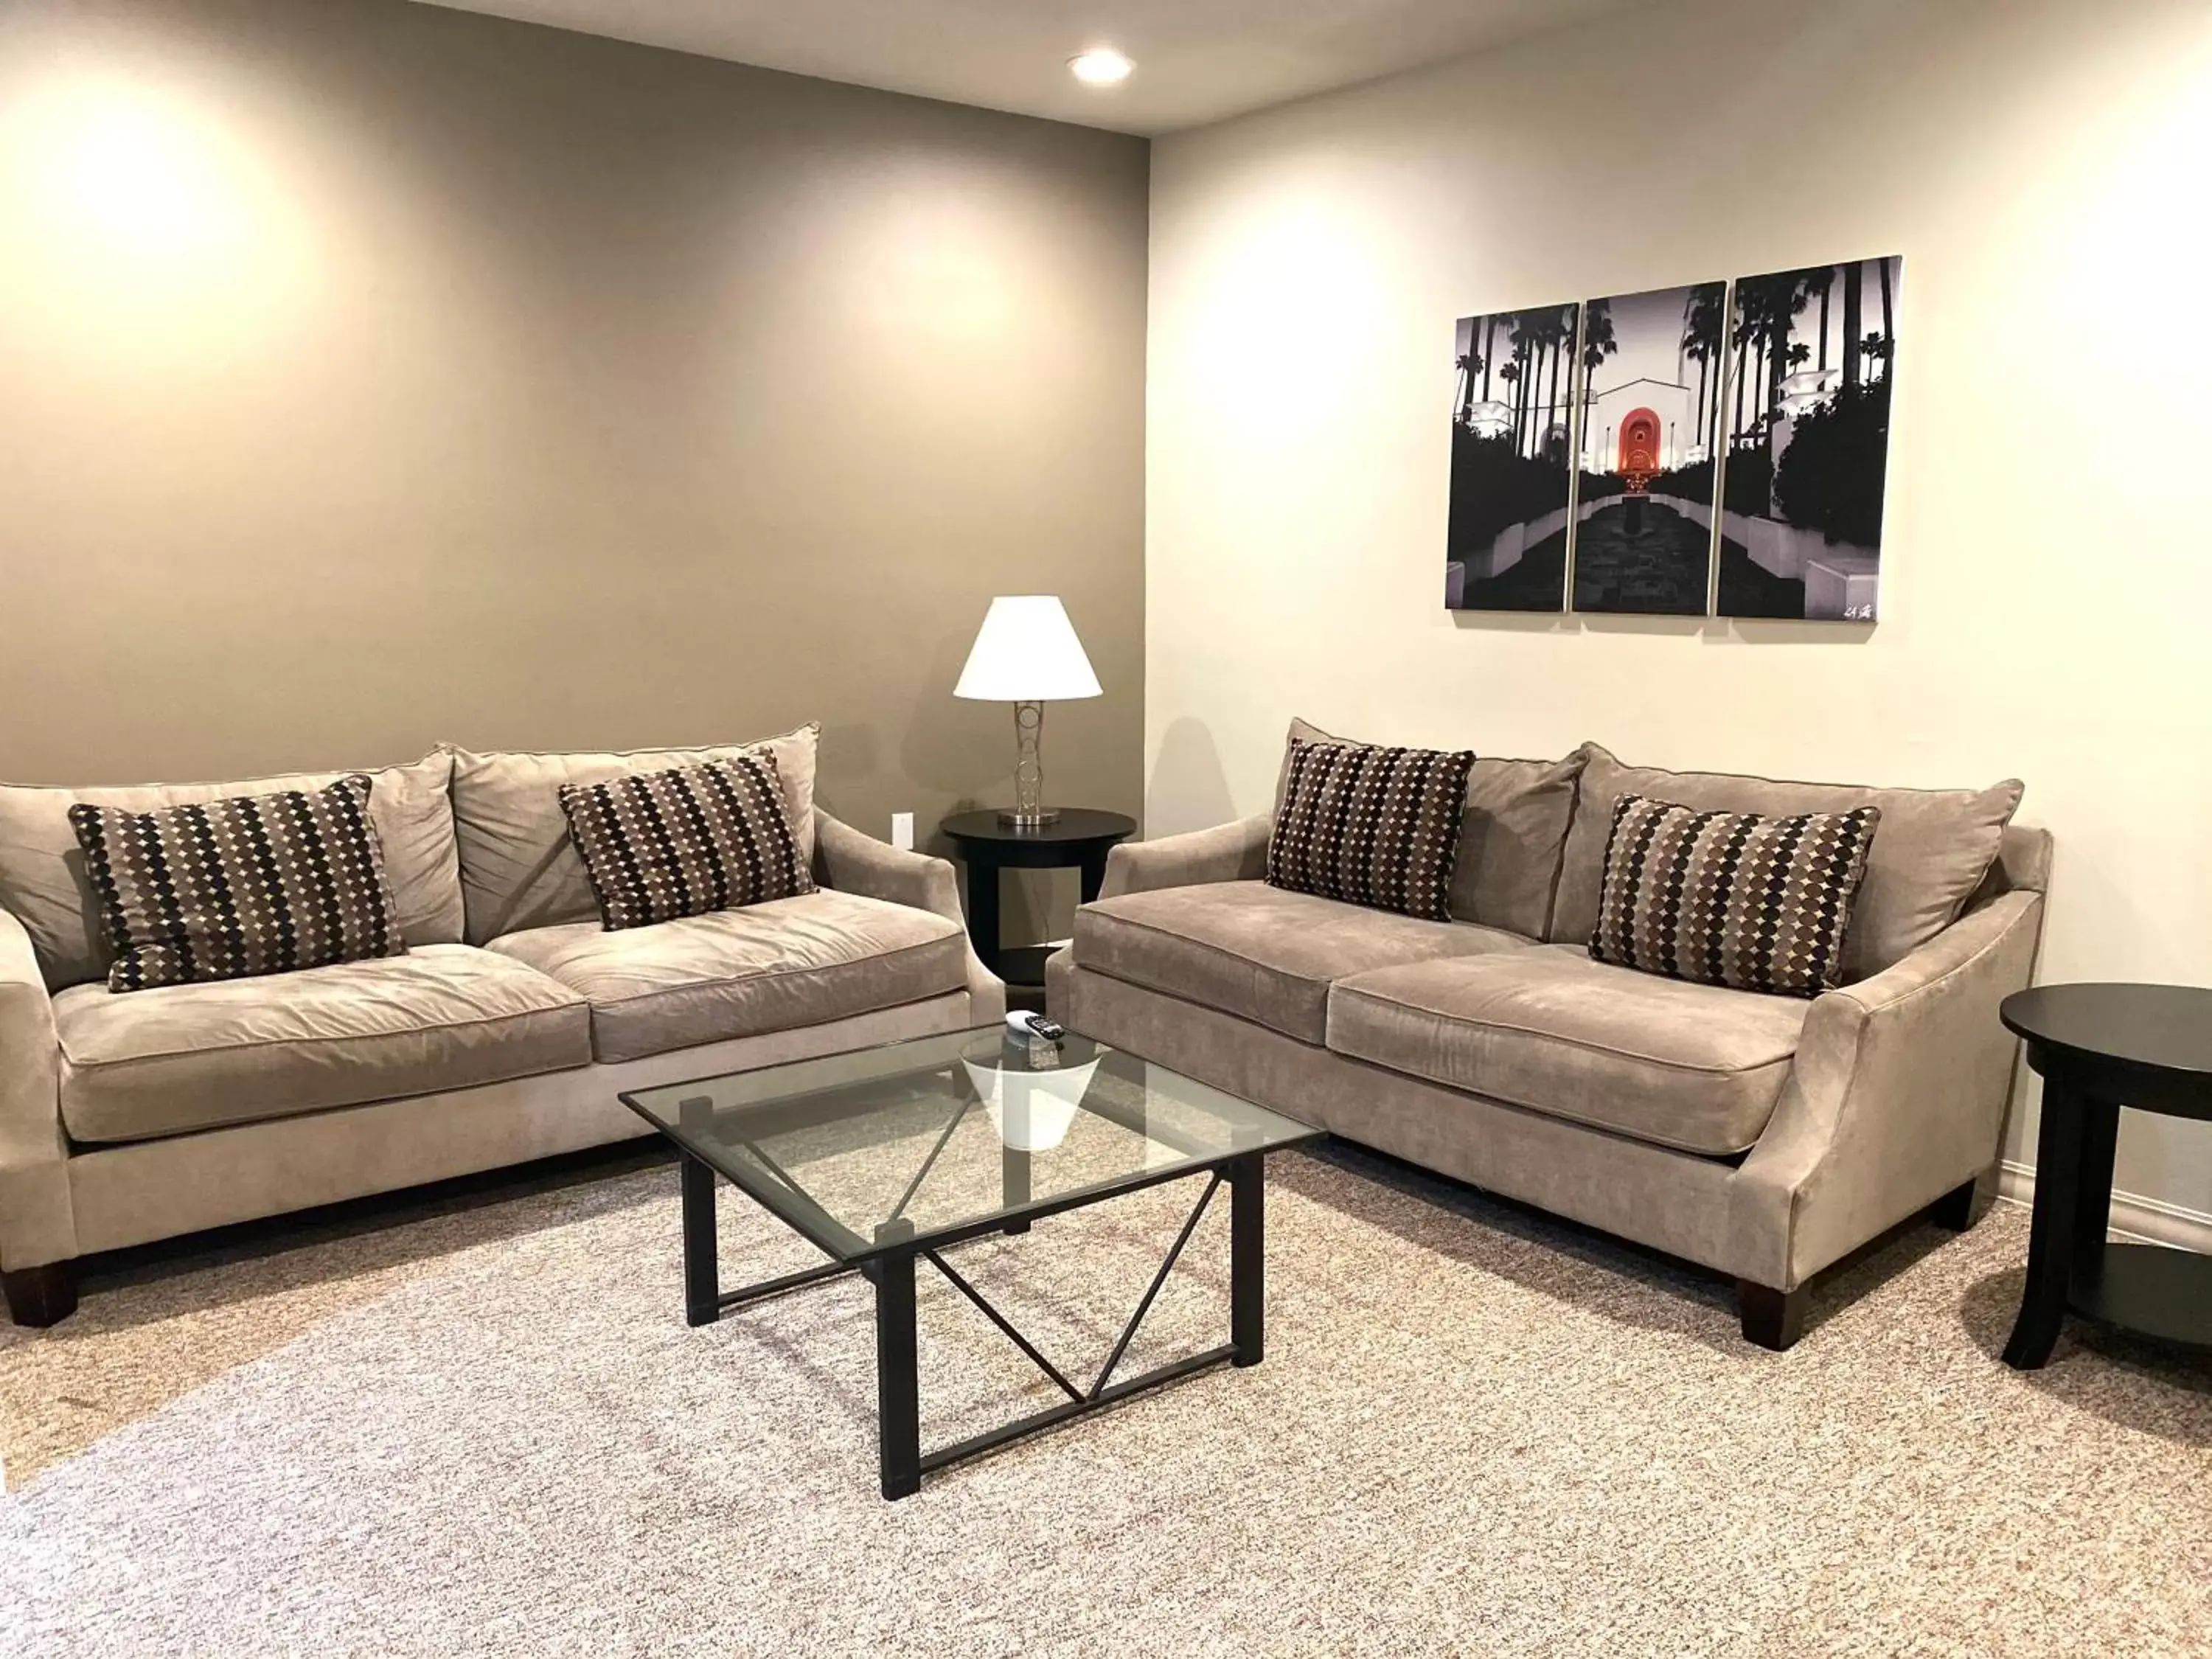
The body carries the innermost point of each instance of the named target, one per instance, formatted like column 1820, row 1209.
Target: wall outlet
column 903, row 831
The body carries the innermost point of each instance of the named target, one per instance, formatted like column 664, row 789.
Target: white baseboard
column 2138, row 1219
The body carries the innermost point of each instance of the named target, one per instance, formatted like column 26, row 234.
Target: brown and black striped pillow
column 1370, row 825
column 658, row 846
column 233, row 889
column 1731, row 899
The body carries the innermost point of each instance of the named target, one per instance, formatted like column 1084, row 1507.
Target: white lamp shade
column 1027, row 652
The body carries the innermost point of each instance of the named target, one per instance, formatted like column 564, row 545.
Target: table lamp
column 1026, row 653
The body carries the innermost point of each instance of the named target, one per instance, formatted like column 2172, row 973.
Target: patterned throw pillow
column 661, row 845
column 233, row 888
column 1730, row 898
column 1371, row 826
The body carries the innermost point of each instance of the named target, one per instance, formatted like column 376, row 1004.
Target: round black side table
column 2100, row 1047
column 1076, row 838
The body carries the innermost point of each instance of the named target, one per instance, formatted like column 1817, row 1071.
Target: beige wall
column 2047, row 603
column 372, row 374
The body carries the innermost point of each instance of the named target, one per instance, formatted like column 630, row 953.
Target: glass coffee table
column 886, row 1157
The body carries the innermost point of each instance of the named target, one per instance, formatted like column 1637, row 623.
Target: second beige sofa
column 504, row 1034
column 1767, row 1137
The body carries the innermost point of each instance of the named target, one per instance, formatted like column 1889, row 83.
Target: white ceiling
column 1197, row 60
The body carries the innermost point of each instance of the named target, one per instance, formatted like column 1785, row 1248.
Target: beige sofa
column 502, row 1035
column 1766, row 1137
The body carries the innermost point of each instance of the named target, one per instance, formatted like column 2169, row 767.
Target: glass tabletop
column 884, row 1147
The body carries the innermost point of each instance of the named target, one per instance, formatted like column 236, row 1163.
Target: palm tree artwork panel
column 1648, row 399
column 1806, row 450
column 1512, row 473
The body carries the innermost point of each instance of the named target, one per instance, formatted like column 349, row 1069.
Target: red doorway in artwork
column 1640, row 447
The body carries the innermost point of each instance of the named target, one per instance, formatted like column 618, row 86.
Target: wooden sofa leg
column 1962, row 1207
column 41, row 1296
column 1773, row 1319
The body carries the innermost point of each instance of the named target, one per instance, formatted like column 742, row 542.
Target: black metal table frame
column 889, row 1262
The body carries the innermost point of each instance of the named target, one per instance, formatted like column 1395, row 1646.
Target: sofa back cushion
column 1933, row 849
column 660, row 846
column 1752, row 902
column 518, row 868
column 238, row 888
column 1372, row 826
column 43, row 879
column 1511, row 833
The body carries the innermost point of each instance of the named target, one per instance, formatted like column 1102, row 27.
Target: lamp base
column 1036, row 820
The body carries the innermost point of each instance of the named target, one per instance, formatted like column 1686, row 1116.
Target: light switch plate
column 903, row 831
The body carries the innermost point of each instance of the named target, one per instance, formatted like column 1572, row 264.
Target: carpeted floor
column 486, row 1429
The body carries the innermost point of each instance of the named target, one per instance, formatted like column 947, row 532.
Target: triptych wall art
column 1713, row 450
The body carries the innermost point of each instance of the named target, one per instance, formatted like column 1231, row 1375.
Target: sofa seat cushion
column 772, row 967
column 1694, row 1067
column 1260, row 953
column 184, row 1057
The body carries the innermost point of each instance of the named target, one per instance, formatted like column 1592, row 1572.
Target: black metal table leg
column 702, row 1286
column 1094, row 874
column 2053, row 1237
column 1247, row 1258
column 1014, row 1182
column 898, row 1384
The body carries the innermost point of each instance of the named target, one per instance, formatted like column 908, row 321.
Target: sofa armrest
column 1228, row 851
column 37, row 1225
column 851, row 862
column 1897, row 1097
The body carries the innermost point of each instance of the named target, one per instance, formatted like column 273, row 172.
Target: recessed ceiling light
column 1102, row 66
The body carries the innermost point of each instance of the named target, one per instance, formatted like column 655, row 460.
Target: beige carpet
column 487, row 1430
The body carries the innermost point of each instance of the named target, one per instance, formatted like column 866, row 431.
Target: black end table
column 1078, row 839
column 2099, row 1047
